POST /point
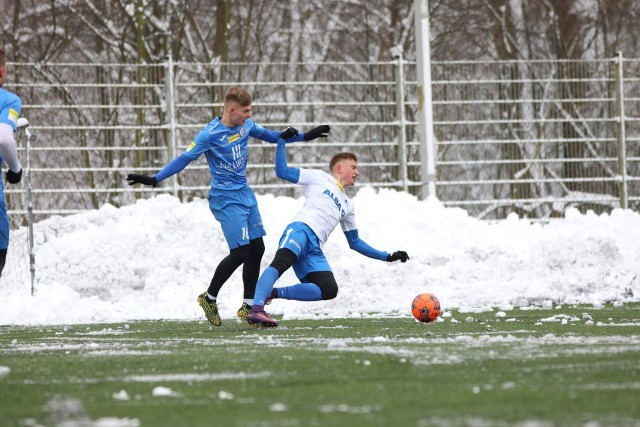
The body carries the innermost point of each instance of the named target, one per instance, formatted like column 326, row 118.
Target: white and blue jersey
column 326, row 205
column 10, row 106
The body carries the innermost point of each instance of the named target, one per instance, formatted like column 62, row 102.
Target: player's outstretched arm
column 360, row 246
column 173, row 167
column 290, row 134
column 321, row 131
column 271, row 136
column 282, row 168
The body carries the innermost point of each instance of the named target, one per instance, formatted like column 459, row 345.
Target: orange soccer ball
column 425, row 307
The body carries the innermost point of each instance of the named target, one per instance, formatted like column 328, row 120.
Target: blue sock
column 265, row 285
column 301, row 292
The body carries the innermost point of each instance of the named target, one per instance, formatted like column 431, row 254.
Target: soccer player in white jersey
column 10, row 106
column 300, row 247
column 224, row 142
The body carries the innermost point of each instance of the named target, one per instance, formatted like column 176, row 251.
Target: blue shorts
column 238, row 214
column 303, row 242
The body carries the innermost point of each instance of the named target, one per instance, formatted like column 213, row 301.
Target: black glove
column 288, row 133
column 317, row 132
column 14, row 177
column 398, row 256
column 142, row 179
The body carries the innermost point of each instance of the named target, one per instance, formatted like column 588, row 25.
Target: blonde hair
column 339, row 157
column 239, row 95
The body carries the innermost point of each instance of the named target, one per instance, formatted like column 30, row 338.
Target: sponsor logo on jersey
column 233, row 138
column 335, row 200
column 235, row 165
column 13, row 115
column 190, row 147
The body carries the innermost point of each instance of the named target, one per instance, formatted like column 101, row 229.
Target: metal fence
column 531, row 137
column 537, row 137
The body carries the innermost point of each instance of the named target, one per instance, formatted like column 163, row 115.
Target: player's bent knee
column 329, row 292
column 283, row 260
column 325, row 281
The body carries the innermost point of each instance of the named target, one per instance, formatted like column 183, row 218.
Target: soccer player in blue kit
column 224, row 143
column 10, row 106
column 326, row 205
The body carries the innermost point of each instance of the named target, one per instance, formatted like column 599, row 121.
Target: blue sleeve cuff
column 360, row 246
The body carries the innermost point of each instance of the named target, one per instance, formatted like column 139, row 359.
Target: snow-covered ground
column 150, row 261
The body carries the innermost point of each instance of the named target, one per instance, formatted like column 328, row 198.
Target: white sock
column 248, row 301
column 211, row 297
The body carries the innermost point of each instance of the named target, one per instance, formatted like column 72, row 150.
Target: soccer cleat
column 260, row 318
column 243, row 311
column 210, row 309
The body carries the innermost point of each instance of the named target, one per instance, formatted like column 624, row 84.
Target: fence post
column 402, row 135
column 425, row 107
column 171, row 116
column 620, row 132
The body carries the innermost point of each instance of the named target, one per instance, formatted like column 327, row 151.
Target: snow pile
column 150, row 261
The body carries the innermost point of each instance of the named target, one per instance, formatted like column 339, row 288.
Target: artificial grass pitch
column 562, row 366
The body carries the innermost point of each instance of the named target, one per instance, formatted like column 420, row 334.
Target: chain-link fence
column 536, row 137
column 531, row 137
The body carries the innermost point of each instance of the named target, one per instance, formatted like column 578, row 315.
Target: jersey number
column 235, row 151
column 285, row 238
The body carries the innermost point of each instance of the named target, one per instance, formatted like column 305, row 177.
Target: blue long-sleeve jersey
column 226, row 150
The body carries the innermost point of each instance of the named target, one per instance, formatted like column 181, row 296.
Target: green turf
column 487, row 371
